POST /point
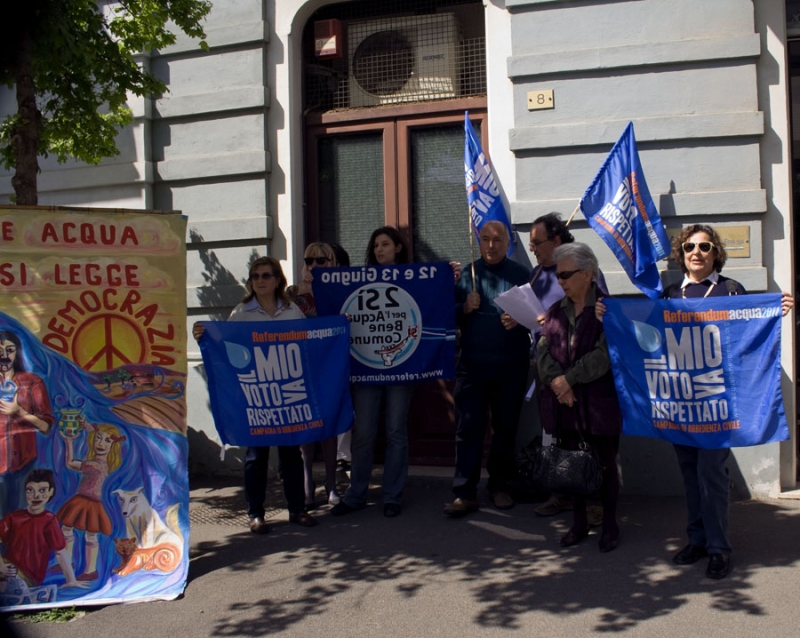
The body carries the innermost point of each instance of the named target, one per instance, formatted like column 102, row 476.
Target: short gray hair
column 581, row 254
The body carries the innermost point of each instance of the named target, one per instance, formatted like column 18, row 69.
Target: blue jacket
column 483, row 337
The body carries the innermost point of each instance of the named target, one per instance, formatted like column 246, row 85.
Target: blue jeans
column 367, row 403
column 705, row 479
column 256, row 469
column 483, row 387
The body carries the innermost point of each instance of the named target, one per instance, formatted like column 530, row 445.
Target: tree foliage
column 73, row 64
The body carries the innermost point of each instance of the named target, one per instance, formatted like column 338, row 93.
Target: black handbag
column 554, row 470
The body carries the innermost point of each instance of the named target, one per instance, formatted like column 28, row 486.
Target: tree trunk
column 25, row 139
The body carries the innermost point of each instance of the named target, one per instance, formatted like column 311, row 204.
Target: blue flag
column 699, row 372
column 619, row 208
column 278, row 382
column 483, row 195
column 402, row 327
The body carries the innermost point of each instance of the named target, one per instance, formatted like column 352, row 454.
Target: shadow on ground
column 510, row 563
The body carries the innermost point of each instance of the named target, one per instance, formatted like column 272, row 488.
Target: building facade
column 294, row 127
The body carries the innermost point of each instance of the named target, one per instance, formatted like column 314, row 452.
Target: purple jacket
column 596, row 409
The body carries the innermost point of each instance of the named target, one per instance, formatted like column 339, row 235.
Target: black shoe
column 390, row 510
column 342, row 508
column 689, row 555
column 609, row 541
column 574, row 536
column 718, row 566
column 258, row 525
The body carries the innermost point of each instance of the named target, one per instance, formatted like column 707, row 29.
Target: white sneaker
column 333, row 498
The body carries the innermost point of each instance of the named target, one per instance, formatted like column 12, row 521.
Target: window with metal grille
column 397, row 52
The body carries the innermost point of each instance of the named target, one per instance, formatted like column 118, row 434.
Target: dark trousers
column 705, row 479
column 256, row 468
column 483, row 387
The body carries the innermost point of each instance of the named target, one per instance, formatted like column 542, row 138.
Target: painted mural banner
column 699, row 372
column 93, row 450
column 402, row 319
column 278, row 382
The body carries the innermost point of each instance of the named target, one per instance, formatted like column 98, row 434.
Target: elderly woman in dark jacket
column 578, row 388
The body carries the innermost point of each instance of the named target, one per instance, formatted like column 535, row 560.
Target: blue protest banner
column 700, row 372
column 483, row 195
column 278, row 383
column 619, row 208
column 402, row 324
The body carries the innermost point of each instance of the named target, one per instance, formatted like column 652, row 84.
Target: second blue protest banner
column 402, row 321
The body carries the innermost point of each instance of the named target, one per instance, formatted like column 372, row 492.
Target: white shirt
column 713, row 278
column 252, row 311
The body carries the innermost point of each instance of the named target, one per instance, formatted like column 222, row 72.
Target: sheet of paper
column 523, row 305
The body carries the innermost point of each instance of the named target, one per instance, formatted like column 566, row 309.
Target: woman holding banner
column 386, row 247
column 579, row 400
column 266, row 300
column 316, row 255
column 701, row 256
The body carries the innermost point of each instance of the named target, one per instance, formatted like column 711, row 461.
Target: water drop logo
column 238, row 356
column 648, row 338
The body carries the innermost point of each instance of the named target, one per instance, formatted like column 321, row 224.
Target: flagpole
column 472, row 250
column 577, row 208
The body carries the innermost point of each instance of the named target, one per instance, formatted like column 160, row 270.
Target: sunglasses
column 566, row 274
column 264, row 275
column 535, row 243
column 315, row 260
column 704, row 246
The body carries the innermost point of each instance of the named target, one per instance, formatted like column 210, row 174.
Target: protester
column 490, row 375
column 386, row 247
column 579, row 398
column 317, row 255
column 266, row 300
column 701, row 256
column 548, row 232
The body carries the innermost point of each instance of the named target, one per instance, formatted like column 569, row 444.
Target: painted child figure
column 85, row 511
column 30, row 535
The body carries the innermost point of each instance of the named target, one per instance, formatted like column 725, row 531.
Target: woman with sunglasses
column 701, row 256
column 266, row 300
column 316, row 255
column 578, row 399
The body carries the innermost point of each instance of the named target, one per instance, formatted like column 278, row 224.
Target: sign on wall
column 93, row 481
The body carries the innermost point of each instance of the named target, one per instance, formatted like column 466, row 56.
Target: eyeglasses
column 535, row 243
column 264, row 275
column 704, row 246
column 315, row 260
column 566, row 274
